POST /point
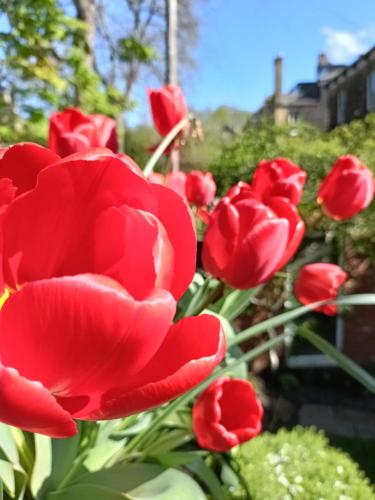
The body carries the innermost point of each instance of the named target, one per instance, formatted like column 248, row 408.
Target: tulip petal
column 190, row 352
column 47, row 235
column 29, row 405
column 22, row 163
column 81, row 335
column 283, row 208
column 174, row 214
column 257, row 257
column 140, row 254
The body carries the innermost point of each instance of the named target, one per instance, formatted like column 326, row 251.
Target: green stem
column 340, row 359
column 189, row 396
column 164, row 144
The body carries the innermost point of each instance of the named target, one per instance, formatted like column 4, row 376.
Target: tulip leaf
column 172, row 484
column 342, row 361
column 121, row 477
column 237, row 302
column 62, row 455
column 170, row 440
column 8, row 444
column 87, row 491
column 178, row 458
column 208, row 478
column 358, row 299
column 102, row 452
column 43, row 462
column 235, row 352
column 7, row 477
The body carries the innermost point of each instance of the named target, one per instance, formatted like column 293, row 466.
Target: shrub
column 298, row 464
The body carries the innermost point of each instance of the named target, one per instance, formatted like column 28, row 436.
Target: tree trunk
column 171, row 73
column 86, row 11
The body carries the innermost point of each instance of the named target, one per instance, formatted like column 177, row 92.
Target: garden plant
column 122, row 374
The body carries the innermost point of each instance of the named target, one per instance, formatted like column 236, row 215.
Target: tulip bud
column 226, row 414
column 168, row 107
column 278, row 177
column 347, row 189
column 319, row 281
column 71, row 131
column 200, row 188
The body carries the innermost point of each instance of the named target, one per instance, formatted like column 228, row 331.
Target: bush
column 298, row 464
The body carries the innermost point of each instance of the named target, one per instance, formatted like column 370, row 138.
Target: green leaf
column 178, row 458
column 87, row 491
column 253, row 331
column 62, row 454
column 170, row 485
column 7, row 476
column 170, row 440
column 121, row 477
column 43, row 462
column 237, row 302
column 343, row 361
column 8, row 444
column 208, row 478
column 235, row 352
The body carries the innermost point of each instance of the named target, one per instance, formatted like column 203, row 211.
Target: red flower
column 200, row 188
column 279, row 177
column 168, row 107
column 347, row 189
column 319, row 281
column 247, row 242
column 71, row 131
column 226, row 414
column 177, row 182
column 97, row 257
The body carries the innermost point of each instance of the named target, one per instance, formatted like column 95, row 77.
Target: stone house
column 339, row 94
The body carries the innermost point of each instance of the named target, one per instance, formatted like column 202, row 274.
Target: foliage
column 44, row 61
column 298, row 464
column 315, row 152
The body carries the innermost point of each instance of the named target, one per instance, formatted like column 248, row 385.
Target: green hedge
column 298, row 464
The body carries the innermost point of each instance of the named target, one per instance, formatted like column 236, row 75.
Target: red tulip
column 226, row 414
column 279, row 177
column 177, row 182
column 95, row 257
column 319, row 281
column 71, row 131
column 247, row 242
column 200, row 188
column 168, row 107
column 347, row 189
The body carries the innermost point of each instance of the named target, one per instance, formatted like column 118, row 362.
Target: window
column 370, row 92
column 293, row 117
column 341, row 106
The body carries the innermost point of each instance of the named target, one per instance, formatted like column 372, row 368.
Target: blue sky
column 240, row 38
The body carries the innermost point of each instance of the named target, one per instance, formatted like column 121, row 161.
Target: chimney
column 278, row 77
column 323, row 63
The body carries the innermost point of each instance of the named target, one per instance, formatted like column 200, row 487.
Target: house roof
column 356, row 65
